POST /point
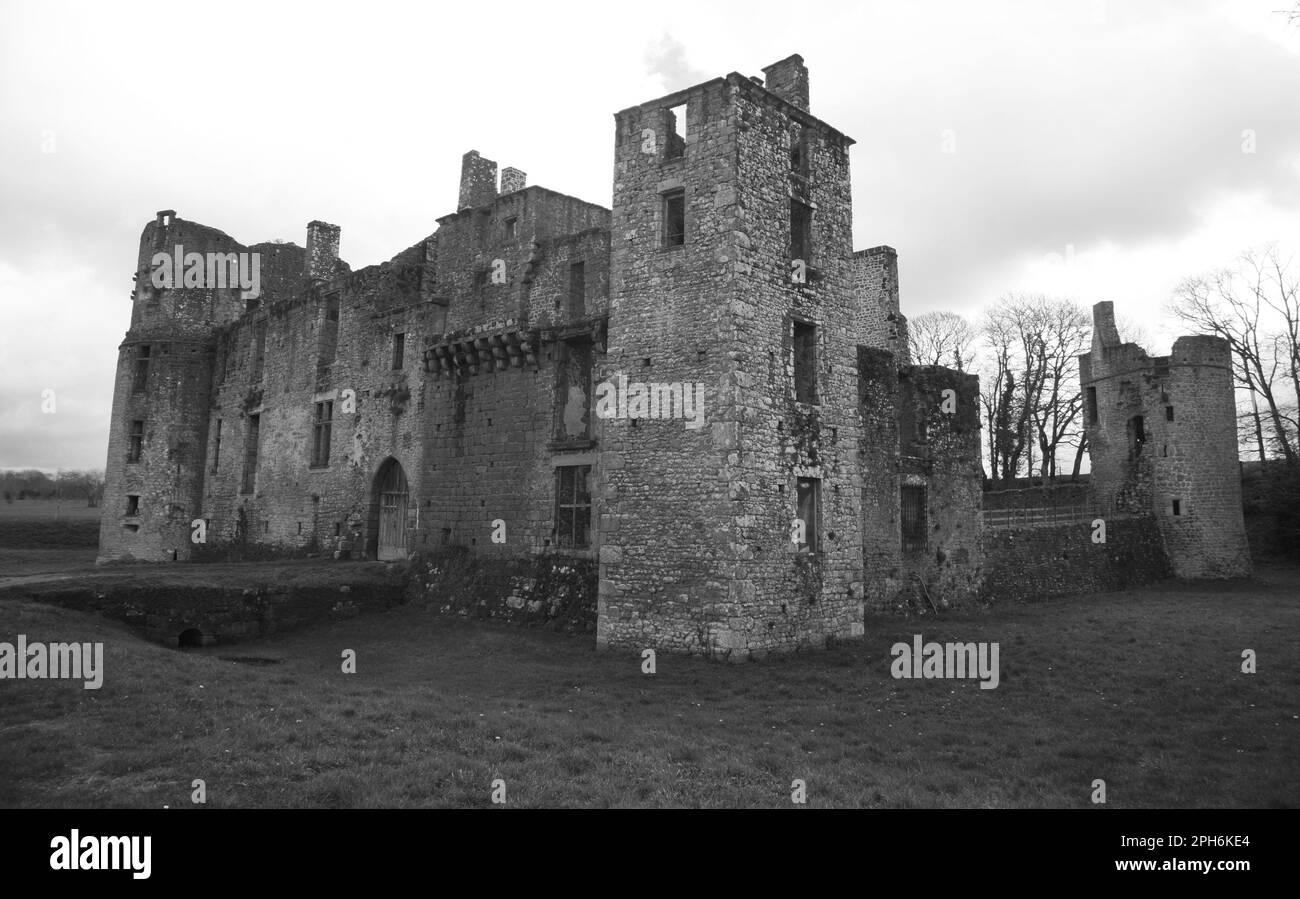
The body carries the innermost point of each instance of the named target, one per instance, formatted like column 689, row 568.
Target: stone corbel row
column 488, row 352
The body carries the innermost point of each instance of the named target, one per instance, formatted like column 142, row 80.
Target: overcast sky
column 1099, row 146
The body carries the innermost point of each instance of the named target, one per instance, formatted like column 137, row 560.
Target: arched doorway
column 390, row 499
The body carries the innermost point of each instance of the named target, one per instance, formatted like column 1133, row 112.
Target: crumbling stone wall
column 916, row 435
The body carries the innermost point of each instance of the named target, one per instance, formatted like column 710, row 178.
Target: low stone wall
column 544, row 590
column 1032, row 563
column 209, row 615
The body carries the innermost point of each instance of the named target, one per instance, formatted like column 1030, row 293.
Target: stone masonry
column 703, row 391
column 1162, row 437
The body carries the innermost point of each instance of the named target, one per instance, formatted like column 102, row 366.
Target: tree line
column 70, row 484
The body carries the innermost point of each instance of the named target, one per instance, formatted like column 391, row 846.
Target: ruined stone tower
column 1162, row 436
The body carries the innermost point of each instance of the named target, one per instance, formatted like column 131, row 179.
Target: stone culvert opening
column 189, row 638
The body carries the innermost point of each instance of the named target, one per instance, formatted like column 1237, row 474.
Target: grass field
column 1142, row 689
column 48, row 524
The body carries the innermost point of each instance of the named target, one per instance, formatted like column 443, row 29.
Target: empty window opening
column 1092, row 405
column 250, row 453
column 573, row 390
column 577, row 290
column 332, row 308
column 190, row 638
column 1164, row 450
column 259, row 352
column 1178, row 507
column 338, row 529
column 1137, row 436
column 799, row 152
column 675, row 218
column 510, row 227
column 141, row 368
column 676, row 147
column 135, row 441
column 1169, row 413
column 800, row 230
column 915, row 526
column 399, row 350
column 808, row 498
column 321, row 434
column 132, row 504
column 805, row 362
column 573, row 506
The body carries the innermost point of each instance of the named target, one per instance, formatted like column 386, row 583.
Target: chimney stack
column 1104, row 332
column 788, row 79
column 512, row 180
column 478, row 181
column 322, row 251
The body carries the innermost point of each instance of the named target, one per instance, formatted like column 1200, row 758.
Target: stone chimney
column 1104, row 333
column 788, row 79
column 322, row 251
column 512, row 180
column 478, row 181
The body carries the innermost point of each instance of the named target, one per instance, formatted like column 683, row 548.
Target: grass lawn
column 1142, row 689
column 47, row 524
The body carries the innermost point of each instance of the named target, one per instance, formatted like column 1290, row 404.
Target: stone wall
column 1024, row 564
column 545, row 590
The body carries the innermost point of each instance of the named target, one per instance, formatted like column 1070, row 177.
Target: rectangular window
column 800, row 230
column 135, row 441
column 675, row 218
column 1178, row 507
column 259, row 352
column 141, row 379
column 915, row 527
column 805, row 362
column 399, row 350
column 577, row 290
column 321, row 433
column 1169, row 413
column 676, row 147
column 573, row 390
column 799, row 153
column 216, row 449
column 1092, row 405
column 132, row 504
column 808, row 499
column 250, row 453
column 510, row 228
column 573, row 506
column 327, row 341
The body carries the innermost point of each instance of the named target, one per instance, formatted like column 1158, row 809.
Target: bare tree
column 88, row 484
column 942, row 338
column 1253, row 305
column 1032, row 402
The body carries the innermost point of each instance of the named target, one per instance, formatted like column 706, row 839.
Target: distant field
column 48, row 524
column 48, row 510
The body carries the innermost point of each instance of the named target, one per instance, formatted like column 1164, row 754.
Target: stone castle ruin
column 1162, row 437
column 702, row 395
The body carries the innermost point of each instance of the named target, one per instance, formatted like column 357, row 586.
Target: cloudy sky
column 1101, row 148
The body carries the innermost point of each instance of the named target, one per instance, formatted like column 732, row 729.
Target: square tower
column 736, row 527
